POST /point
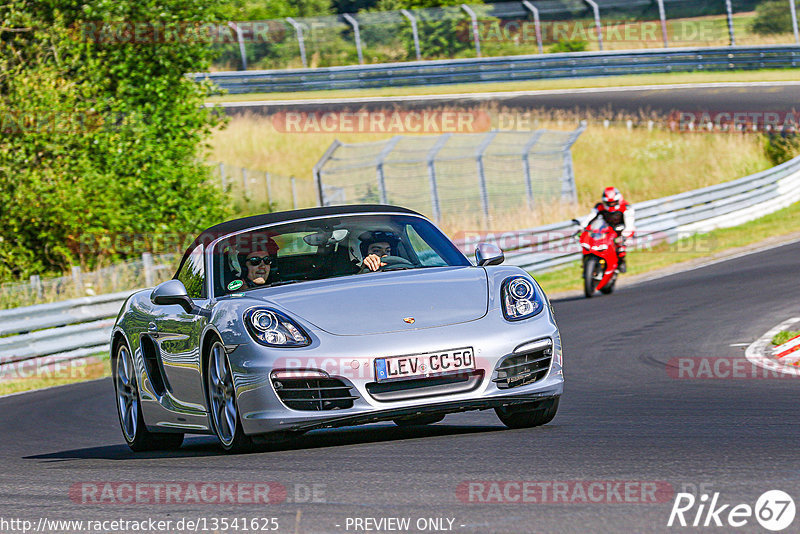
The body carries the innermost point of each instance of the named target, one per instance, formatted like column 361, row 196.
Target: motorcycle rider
column 619, row 215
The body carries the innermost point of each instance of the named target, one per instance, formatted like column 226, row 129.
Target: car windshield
column 328, row 247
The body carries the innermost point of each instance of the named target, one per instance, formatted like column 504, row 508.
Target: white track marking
column 755, row 352
column 501, row 94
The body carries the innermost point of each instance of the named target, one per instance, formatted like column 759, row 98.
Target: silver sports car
column 287, row 322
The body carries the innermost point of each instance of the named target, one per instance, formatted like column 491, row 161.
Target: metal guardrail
column 503, row 69
column 660, row 220
column 49, row 334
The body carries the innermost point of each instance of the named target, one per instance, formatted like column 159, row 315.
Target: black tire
column 222, row 402
column 608, row 289
column 589, row 283
column 528, row 415
column 418, row 420
column 129, row 408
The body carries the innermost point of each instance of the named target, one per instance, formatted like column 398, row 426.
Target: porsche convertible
column 282, row 323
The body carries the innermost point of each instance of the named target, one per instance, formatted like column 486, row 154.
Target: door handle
column 152, row 327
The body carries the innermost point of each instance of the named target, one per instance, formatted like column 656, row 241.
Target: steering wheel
column 394, row 262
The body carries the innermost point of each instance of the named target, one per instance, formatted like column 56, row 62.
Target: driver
column 377, row 245
column 259, row 263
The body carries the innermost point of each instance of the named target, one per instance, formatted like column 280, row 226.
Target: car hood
column 377, row 303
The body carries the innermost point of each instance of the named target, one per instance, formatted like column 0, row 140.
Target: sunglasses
column 258, row 260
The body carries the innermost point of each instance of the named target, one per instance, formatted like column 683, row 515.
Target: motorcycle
column 600, row 259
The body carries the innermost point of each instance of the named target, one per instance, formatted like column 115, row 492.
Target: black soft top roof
column 236, row 225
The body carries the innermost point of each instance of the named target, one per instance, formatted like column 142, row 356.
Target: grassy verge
column 90, row 370
column 772, row 75
column 783, row 222
column 782, row 337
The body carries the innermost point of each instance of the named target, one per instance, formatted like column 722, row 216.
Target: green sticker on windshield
column 236, row 284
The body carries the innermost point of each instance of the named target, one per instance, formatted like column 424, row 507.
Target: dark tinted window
column 193, row 273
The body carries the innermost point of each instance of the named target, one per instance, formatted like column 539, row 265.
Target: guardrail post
column 537, row 24
column 597, row 24
column 729, row 9
column 526, row 165
column 318, row 170
column 294, row 194
column 300, row 40
column 663, row 16
column 437, row 209
column 147, row 268
column 414, row 32
column 354, row 23
column 475, row 34
column 793, row 9
column 240, row 39
column 269, row 188
column 36, row 286
column 379, row 166
column 482, row 175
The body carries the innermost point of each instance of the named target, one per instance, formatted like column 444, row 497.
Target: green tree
column 103, row 134
column 773, row 16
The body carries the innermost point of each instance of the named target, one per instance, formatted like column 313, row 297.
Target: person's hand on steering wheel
column 373, row 262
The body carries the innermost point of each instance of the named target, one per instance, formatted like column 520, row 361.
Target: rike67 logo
column 774, row 510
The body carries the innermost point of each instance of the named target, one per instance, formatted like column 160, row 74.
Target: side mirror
column 172, row 292
column 488, row 254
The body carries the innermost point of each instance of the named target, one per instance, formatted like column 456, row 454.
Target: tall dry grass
column 644, row 162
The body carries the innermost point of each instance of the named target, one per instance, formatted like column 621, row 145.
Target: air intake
column 313, row 394
column 525, row 367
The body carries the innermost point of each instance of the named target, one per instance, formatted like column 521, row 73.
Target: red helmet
column 612, row 198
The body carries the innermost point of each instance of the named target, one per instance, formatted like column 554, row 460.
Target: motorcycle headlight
column 272, row 328
column 520, row 299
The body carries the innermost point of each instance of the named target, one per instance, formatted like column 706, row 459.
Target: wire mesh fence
column 258, row 191
column 478, row 176
column 504, row 28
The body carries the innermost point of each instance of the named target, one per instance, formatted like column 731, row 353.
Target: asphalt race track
column 622, row 418
column 767, row 97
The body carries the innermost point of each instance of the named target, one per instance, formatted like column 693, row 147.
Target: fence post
column 77, row 278
column 482, row 175
column 36, row 286
column 537, row 24
column 354, row 23
column 437, row 211
column 294, row 194
column 244, row 183
column 269, row 188
column 300, row 40
column 318, row 170
column 793, row 9
column 147, row 267
column 222, row 176
column 414, row 33
column 597, row 23
column 475, row 34
column 385, row 151
column 729, row 9
column 568, row 190
column 526, row 165
column 663, row 16
column 240, row 38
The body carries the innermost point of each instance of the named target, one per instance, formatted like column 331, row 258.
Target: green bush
column 572, row 45
column 781, row 148
column 773, row 16
column 102, row 137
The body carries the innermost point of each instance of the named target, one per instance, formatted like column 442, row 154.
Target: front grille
column 313, row 394
column 397, row 390
column 524, row 368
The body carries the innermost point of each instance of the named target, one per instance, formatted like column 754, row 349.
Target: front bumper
column 350, row 359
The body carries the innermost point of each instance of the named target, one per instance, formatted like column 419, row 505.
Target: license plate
column 424, row 365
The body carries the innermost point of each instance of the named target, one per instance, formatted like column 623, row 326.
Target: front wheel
column 528, row 415
column 129, row 408
column 224, row 412
column 590, row 275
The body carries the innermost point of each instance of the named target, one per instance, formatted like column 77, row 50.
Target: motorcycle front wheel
column 590, row 279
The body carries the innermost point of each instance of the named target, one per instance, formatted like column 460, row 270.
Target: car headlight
column 272, row 328
column 520, row 299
